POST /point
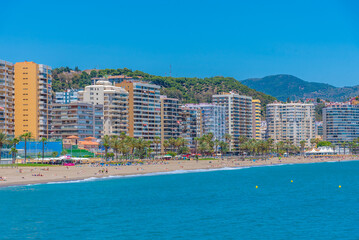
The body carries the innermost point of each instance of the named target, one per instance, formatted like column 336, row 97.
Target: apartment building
column 340, row 123
column 213, row 119
column 79, row 119
column 291, row 121
column 144, row 109
column 115, row 105
column 69, row 96
column 256, row 119
column 7, row 103
column 33, row 99
column 190, row 125
column 238, row 116
column 112, row 79
column 170, row 119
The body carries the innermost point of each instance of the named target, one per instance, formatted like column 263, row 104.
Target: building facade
column 33, row 99
column 213, row 119
column 144, row 113
column 77, row 119
column 115, row 105
column 190, row 125
column 7, row 102
column 69, row 96
column 291, row 121
column 112, row 79
column 238, row 116
column 256, row 119
column 340, row 123
column 170, row 119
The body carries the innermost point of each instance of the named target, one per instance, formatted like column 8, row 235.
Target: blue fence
column 34, row 148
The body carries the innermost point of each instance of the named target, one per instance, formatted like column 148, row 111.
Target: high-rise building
column 213, row 119
column 7, row 109
column 170, row 119
column 33, row 99
column 340, row 123
column 115, row 105
column 79, row 119
column 144, row 109
column 291, row 121
column 238, row 116
column 256, row 119
column 190, row 125
column 69, row 96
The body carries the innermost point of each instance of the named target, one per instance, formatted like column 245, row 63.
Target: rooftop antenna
column 170, row 70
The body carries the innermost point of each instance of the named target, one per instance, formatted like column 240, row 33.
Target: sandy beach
column 34, row 175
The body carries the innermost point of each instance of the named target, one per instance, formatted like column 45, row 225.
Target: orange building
column 32, row 99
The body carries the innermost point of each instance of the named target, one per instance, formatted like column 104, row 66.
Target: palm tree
column 228, row 138
column 43, row 140
column 4, row 139
column 106, row 142
column 344, row 144
column 166, row 145
column 196, row 139
column 224, row 147
column 115, row 145
column 216, row 143
column 156, row 141
column 302, row 145
column 13, row 152
column 172, row 142
column 25, row 137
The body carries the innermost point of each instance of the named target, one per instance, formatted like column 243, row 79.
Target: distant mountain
column 285, row 86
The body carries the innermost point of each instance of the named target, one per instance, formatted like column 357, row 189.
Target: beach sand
column 34, row 175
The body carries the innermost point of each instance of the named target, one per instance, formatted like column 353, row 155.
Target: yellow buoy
column 291, row 180
column 256, row 186
column 340, row 186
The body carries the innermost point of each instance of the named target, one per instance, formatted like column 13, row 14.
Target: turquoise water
column 201, row 205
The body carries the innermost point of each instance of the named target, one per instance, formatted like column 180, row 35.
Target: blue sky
column 314, row 40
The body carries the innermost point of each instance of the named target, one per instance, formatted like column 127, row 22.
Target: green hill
column 188, row 90
column 287, row 86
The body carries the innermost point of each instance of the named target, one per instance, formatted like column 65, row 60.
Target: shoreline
column 62, row 174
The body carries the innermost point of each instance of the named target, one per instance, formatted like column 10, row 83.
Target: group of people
column 2, row 179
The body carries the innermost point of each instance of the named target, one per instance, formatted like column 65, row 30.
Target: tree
column 54, row 154
column 4, row 139
column 224, row 148
column 43, row 140
column 26, row 137
column 115, row 145
column 166, row 145
column 106, row 142
column 63, row 152
column 13, row 152
column 156, row 141
column 302, row 145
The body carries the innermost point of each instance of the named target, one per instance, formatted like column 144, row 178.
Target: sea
column 300, row 201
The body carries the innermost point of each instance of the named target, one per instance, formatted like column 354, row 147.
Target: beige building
column 238, row 116
column 7, row 104
column 291, row 121
column 256, row 119
column 115, row 105
column 33, row 99
column 144, row 113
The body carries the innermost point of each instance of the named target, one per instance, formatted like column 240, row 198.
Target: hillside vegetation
column 288, row 86
column 188, row 90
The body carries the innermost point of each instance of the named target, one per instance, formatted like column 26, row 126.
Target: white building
column 291, row 121
column 213, row 119
column 238, row 116
column 115, row 105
